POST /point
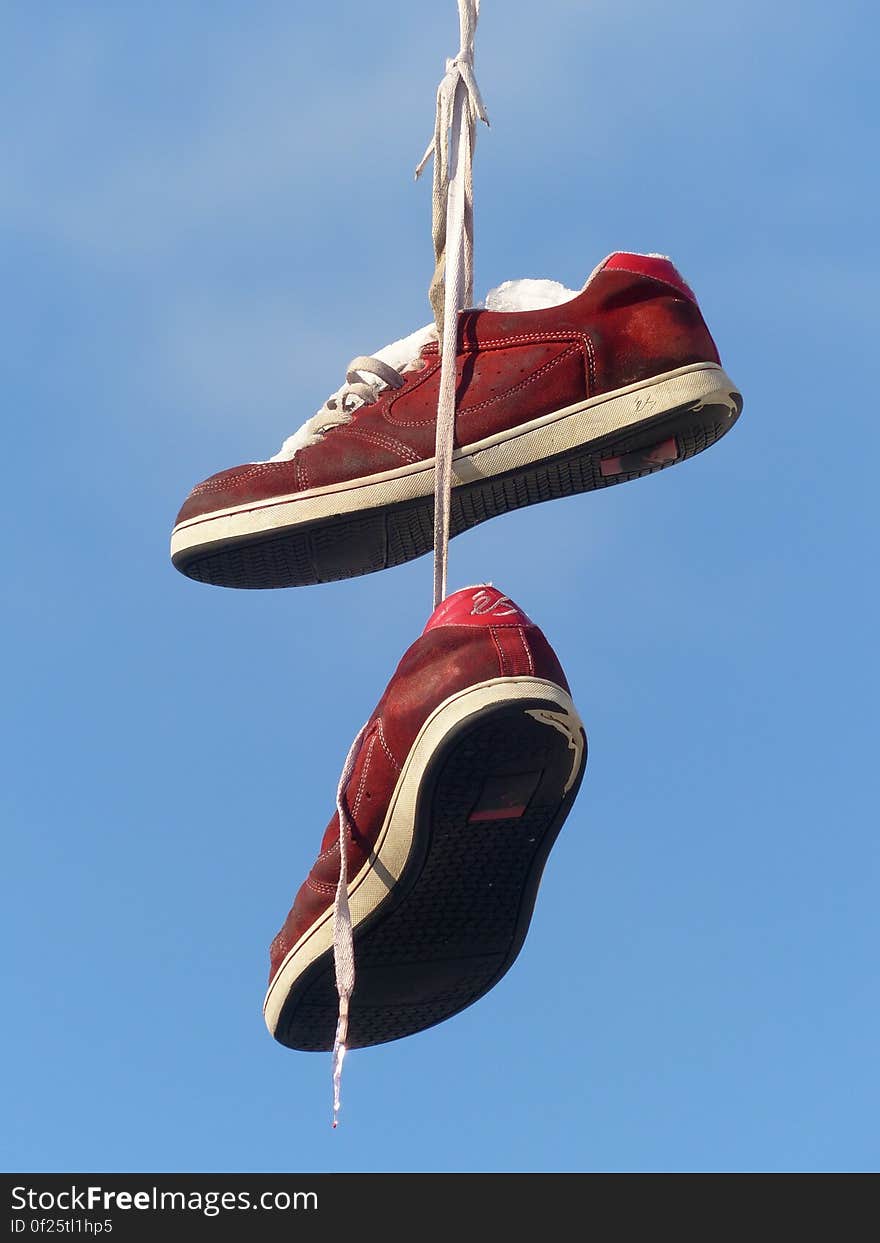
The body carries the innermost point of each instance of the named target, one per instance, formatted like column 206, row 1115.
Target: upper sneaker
column 602, row 386
column 466, row 772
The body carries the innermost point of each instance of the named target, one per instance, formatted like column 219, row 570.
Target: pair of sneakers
column 456, row 788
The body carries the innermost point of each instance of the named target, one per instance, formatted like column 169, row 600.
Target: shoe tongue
column 482, row 605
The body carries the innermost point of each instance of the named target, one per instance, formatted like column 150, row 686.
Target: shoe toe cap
column 251, row 483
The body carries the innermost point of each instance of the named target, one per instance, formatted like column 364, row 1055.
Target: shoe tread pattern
column 458, row 917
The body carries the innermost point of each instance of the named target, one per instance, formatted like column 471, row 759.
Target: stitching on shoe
column 544, row 338
column 371, row 746
column 502, row 656
column 217, row 485
column 522, row 338
column 470, row 625
column 527, row 649
column 320, row 886
column 380, row 733
column 384, row 442
column 530, row 379
column 591, row 365
column 325, row 854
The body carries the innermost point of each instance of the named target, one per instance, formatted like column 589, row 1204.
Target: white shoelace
column 365, row 378
column 343, row 941
column 459, row 106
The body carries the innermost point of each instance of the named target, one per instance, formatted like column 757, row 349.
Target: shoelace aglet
column 339, row 1051
column 338, row 1056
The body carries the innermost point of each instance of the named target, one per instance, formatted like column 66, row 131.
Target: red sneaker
column 465, row 774
column 617, row 381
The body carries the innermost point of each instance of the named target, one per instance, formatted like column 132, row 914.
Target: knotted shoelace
column 459, row 107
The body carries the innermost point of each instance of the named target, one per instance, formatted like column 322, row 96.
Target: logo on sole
column 574, row 734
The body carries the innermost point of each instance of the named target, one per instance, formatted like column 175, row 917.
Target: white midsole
column 532, row 442
column 394, row 843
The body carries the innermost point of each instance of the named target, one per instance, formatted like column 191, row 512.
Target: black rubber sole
column 361, row 543
column 457, row 918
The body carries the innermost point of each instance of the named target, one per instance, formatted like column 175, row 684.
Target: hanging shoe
column 451, row 800
column 558, row 392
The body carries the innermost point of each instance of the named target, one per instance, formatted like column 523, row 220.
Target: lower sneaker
column 465, row 774
column 559, row 392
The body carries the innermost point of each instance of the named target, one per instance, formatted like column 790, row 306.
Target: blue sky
column 208, row 209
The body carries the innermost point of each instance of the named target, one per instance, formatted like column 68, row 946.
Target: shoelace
column 357, row 391
column 343, row 941
column 459, row 106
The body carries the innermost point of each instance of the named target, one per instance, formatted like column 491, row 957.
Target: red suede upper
column 635, row 318
column 474, row 635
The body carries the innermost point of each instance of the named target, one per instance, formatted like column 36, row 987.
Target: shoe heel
column 678, row 435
